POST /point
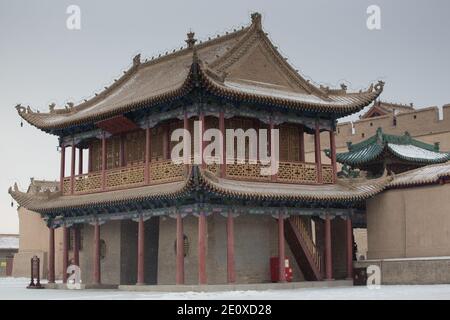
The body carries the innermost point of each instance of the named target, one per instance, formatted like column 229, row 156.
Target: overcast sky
column 41, row 61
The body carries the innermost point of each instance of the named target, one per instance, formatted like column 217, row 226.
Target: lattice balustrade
column 88, row 182
column 327, row 173
column 246, row 171
column 212, row 165
column 124, row 177
column 66, row 186
column 166, row 171
column 297, row 172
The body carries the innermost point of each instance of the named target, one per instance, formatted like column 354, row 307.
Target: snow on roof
column 413, row 152
column 9, row 242
column 423, row 175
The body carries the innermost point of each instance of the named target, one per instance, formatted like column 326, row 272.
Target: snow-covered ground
column 14, row 288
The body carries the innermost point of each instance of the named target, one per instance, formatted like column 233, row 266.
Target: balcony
column 166, row 171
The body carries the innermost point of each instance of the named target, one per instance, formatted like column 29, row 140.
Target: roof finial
column 190, row 39
column 256, row 20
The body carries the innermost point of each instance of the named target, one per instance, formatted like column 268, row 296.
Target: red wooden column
column 122, row 151
column 349, row 248
column 231, row 274
column 202, row 248
column 72, row 168
column 76, row 245
column 62, row 169
column 80, row 161
column 51, row 255
column 301, row 133
column 202, row 143
column 272, row 127
column 65, row 255
column 180, row 250
column 90, row 158
column 141, row 252
column 96, row 275
column 317, row 153
column 166, row 140
column 328, row 253
column 223, row 165
column 103, row 161
column 333, row 154
column 281, row 252
column 148, row 141
column 186, row 142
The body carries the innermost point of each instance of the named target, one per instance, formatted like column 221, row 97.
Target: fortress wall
column 423, row 124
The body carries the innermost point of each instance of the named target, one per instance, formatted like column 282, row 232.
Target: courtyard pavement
column 15, row 288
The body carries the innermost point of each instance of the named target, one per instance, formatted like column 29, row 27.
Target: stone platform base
column 424, row 270
column 62, row 286
column 237, row 287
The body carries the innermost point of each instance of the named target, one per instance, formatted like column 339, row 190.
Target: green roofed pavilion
column 390, row 152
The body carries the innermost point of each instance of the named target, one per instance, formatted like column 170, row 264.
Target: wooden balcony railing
column 167, row 171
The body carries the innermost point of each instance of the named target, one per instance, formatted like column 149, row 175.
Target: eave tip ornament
column 20, row 108
column 379, row 86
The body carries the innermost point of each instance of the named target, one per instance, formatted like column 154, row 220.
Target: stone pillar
column 202, row 248
column 141, row 252
column 328, row 252
column 65, row 254
column 333, row 154
column 72, row 169
column 301, row 132
column 76, row 245
column 281, row 250
column 317, row 153
column 103, row 161
column 223, row 165
column 80, row 161
column 51, row 255
column 231, row 274
column 62, row 169
column 349, row 239
column 180, row 250
column 96, row 260
column 148, row 141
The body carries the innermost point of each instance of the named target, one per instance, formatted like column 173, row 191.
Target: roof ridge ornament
column 137, row 60
column 256, row 20
column 190, row 39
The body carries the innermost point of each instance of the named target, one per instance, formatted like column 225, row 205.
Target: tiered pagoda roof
column 240, row 66
column 394, row 153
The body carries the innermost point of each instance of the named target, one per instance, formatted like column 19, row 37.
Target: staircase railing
column 312, row 249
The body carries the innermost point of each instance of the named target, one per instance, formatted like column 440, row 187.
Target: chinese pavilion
column 393, row 153
column 201, row 223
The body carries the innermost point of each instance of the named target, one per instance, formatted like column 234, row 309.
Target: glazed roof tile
column 403, row 147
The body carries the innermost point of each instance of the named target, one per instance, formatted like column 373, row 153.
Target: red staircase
column 307, row 255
